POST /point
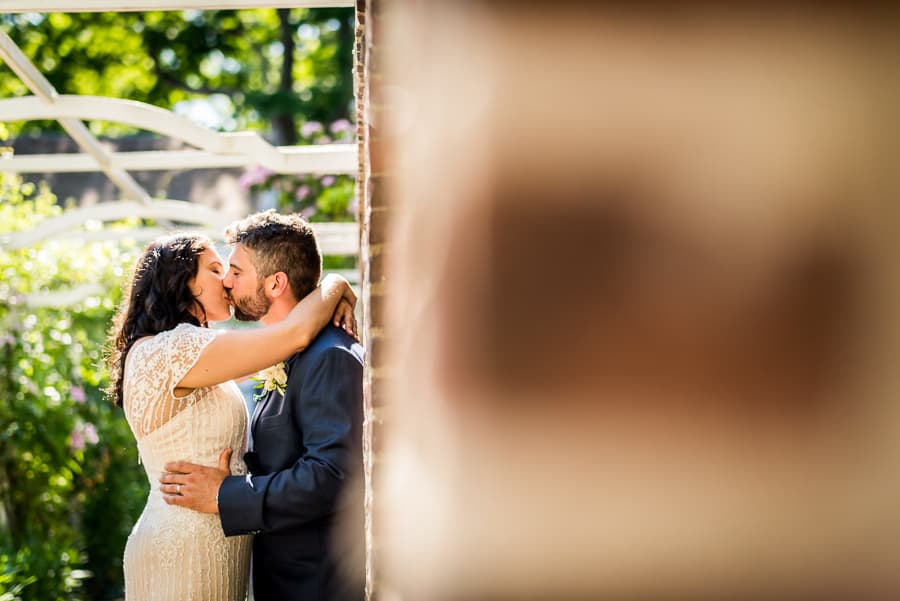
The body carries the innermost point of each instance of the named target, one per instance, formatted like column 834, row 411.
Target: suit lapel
column 262, row 403
column 258, row 409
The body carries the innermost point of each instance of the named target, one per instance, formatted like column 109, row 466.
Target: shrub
column 70, row 483
column 318, row 197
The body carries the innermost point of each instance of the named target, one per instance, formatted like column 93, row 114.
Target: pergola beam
column 217, row 150
column 79, row 6
column 335, row 238
column 140, row 115
column 146, row 116
column 337, row 159
column 43, row 89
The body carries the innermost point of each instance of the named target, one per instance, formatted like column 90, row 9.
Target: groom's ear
column 277, row 284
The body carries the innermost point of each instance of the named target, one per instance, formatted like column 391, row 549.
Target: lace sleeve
column 152, row 371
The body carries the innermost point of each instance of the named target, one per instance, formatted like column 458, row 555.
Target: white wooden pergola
column 211, row 149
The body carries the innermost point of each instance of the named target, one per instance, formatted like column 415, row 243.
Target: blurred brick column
column 617, row 311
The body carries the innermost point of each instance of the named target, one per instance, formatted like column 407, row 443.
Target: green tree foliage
column 265, row 69
column 70, row 484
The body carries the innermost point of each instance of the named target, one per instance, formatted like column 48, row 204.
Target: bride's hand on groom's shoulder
column 194, row 486
column 345, row 319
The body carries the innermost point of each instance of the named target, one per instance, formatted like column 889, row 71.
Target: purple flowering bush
column 318, row 197
column 70, row 484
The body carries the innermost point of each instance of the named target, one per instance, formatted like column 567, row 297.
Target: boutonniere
column 269, row 379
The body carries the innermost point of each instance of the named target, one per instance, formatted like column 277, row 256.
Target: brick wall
column 374, row 216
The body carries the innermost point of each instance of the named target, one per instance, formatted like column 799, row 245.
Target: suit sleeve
column 330, row 419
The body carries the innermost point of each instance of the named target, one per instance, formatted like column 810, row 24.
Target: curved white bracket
column 144, row 116
column 333, row 159
column 334, row 238
column 173, row 210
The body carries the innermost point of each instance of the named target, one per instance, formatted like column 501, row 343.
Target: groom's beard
column 251, row 308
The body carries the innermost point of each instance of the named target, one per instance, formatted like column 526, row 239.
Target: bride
column 173, row 377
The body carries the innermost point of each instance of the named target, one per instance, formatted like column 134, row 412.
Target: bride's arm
column 233, row 354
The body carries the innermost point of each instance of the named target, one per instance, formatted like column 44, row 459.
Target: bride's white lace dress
column 175, row 553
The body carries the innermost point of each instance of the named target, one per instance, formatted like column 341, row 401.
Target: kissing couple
column 293, row 494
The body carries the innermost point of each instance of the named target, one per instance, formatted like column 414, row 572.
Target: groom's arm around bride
column 305, row 484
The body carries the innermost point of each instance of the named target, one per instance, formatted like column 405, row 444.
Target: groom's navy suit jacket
column 303, row 498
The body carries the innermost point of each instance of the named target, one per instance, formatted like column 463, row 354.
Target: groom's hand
column 195, row 486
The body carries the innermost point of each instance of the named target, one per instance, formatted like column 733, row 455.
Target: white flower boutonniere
column 272, row 378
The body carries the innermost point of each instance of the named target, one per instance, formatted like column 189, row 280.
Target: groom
column 302, row 498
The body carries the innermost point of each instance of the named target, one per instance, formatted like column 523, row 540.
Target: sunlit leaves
column 164, row 58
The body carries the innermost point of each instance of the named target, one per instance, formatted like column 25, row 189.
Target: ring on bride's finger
column 178, row 489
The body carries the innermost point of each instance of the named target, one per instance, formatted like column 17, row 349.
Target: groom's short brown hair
column 279, row 242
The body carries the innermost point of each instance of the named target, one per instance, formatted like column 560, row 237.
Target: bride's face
column 207, row 286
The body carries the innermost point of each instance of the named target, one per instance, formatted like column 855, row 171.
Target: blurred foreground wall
column 644, row 302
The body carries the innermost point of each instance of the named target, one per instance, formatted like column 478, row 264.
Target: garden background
column 70, row 483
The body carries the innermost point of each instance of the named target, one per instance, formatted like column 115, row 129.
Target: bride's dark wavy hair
column 158, row 299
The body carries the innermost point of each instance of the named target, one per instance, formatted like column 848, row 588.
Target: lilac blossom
column 83, row 433
column 77, row 394
column 254, row 176
column 302, row 193
column 90, row 434
column 311, row 128
column 307, row 212
column 327, row 181
column 322, row 140
column 341, row 126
